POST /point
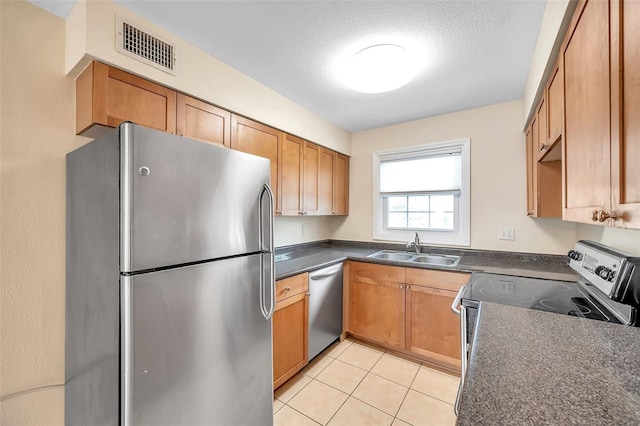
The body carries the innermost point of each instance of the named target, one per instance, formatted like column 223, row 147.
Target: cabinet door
column 341, row 185
column 311, row 179
column 202, row 121
column 291, row 169
column 377, row 303
column 554, row 106
column 625, row 126
column 586, row 132
column 290, row 337
column 325, row 181
column 108, row 97
column 257, row 139
column 541, row 119
column 530, row 164
column 433, row 331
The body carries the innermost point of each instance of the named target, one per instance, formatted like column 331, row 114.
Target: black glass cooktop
column 560, row 297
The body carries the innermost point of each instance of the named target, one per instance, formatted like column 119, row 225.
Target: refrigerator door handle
column 268, row 313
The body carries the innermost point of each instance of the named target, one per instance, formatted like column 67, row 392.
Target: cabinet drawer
column 370, row 273
column 437, row 279
column 291, row 286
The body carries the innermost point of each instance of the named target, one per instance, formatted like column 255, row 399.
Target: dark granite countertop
column 308, row 257
column 534, row 367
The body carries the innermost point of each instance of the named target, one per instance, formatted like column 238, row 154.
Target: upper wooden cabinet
column 199, row 120
column 314, row 179
column 625, row 105
column 292, row 153
column 541, row 122
column 255, row 138
column 532, row 181
column 306, row 178
column 587, row 143
column 311, row 179
column 554, row 107
column 601, row 60
column 107, row 96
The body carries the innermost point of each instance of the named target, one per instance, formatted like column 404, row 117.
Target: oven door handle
column 456, row 301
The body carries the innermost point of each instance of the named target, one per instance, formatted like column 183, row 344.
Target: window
column 423, row 189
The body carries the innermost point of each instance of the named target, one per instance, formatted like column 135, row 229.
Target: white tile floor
column 354, row 384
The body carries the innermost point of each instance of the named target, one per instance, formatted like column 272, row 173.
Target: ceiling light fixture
column 381, row 68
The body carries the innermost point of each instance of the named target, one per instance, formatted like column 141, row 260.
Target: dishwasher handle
column 456, row 301
column 325, row 272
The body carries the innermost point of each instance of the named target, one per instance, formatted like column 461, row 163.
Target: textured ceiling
column 474, row 53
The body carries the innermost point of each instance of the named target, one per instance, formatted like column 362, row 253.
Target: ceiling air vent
column 139, row 44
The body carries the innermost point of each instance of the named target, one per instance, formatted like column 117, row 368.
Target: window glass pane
column 419, row 203
column 442, row 221
column 397, row 220
column 442, row 203
column 440, row 173
column 397, row 204
column 419, row 220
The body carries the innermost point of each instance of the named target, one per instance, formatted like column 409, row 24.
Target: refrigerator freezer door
column 185, row 201
column 196, row 346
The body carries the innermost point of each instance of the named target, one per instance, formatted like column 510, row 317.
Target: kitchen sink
column 437, row 259
column 390, row 255
column 427, row 259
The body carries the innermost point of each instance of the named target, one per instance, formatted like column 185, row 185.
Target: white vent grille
column 147, row 48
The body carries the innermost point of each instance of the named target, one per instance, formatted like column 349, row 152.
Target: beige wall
column 91, row 34
column 498, row 178
column 37, row 119
column 623, row 239
column 289, row 230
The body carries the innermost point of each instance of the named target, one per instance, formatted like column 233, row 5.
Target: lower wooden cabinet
column 433, row 330
column 290, row 328
column 376, row 298
column 407, row 309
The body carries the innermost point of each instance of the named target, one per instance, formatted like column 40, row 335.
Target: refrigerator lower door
column 196, row 346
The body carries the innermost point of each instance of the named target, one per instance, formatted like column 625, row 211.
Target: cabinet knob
column 603, row 216
column 287, row 288
column 300, row 213
column 543, row 147
column 401, row 286
column 594, row 215
column 304, row 212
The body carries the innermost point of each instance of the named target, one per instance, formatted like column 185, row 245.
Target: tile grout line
column 405, row 395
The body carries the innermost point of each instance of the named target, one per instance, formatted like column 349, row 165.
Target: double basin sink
column 424, row 258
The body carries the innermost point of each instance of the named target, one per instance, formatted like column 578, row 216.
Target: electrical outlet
column 506, row 234
column 304, row 229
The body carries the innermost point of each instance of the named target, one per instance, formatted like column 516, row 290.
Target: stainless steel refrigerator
column 169, row 283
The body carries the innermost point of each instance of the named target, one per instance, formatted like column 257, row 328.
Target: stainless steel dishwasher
column 325, row 308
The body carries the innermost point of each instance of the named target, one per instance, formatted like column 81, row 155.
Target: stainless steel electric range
column 607, row 289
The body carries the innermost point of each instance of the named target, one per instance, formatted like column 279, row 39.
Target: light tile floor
column 354, row 384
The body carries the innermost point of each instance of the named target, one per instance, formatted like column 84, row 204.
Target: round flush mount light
column 381, row 68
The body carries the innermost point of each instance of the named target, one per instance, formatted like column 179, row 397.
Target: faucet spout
column 415, row 244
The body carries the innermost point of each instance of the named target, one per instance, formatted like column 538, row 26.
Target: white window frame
column 461, row 235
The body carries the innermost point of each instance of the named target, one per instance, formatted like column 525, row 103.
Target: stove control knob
column 575, row 255
column 604, row 273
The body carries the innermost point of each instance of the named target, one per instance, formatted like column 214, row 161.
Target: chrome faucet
column 415, row 243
